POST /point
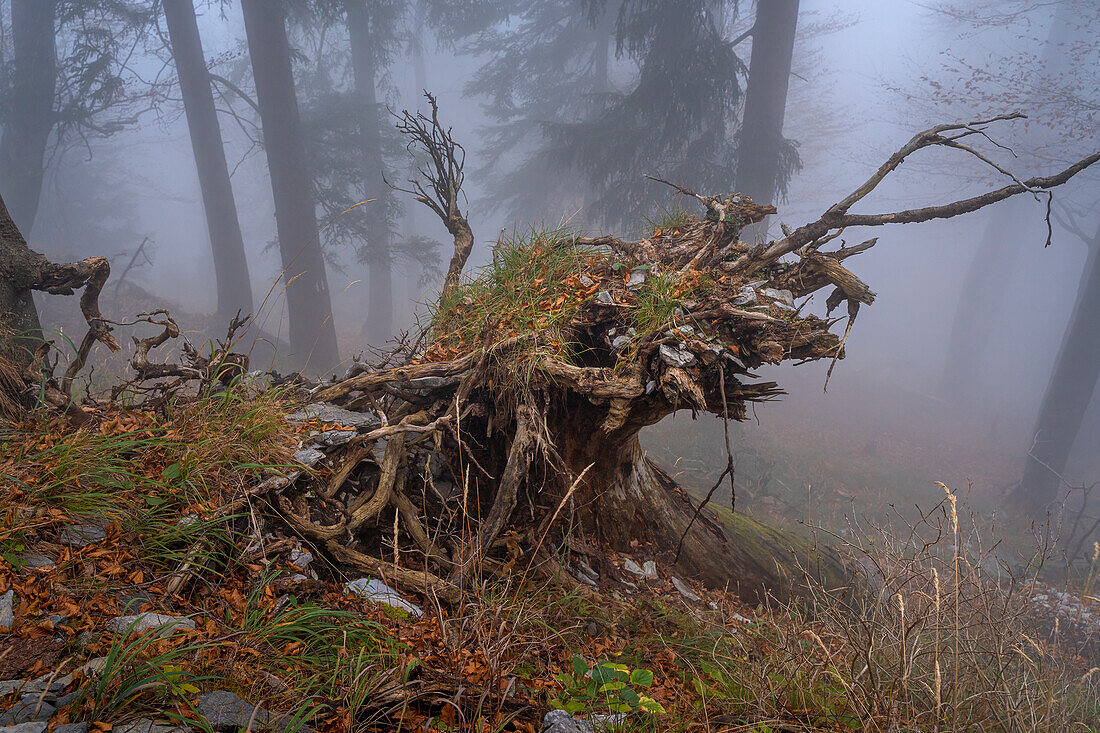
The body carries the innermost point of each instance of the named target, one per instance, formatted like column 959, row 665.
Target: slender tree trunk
column 31, row 115
column 226, row 242
column 312, row 334
column 379, row 324
column 766, row 99
column 1067, row 395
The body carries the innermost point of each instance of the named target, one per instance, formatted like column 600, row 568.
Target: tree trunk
column 981, row 300
column 31, row 115
column 20, row 329
column 230, row 266
column 379, row 325
column 630, row 502
column 312, row 334
column 1067, row 396
column 766, row 99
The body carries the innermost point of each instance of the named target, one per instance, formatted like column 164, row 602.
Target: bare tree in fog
column 373, row 39
column 1060, row 94
column 230, row 266
column 1068, row 394
column 999, row 83
column 309, row 305
column 763, row 154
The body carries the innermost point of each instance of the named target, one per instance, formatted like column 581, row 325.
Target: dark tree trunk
column 379, row 324
column 31, row 115
column 230, row 266
column 766, row 99
column 312, row 334
column 1067, row 396
column 20, row 330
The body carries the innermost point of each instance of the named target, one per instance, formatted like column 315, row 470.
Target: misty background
column 943, row 376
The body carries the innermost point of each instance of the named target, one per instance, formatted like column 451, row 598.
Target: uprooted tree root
column 506, row 436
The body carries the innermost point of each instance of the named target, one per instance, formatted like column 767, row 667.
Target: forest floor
column 140, row 586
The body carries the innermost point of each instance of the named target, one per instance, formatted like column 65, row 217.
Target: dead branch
column 444, row 175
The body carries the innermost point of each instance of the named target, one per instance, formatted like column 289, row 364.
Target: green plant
column 136, row 672
column 605, row 686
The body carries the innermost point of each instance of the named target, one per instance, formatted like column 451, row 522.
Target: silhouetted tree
column 309, row 305
column 230, row 266
column 763, row 155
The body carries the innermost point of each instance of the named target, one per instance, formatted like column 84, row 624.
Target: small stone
column 71, row 728
column 301, row 558
column 637, row 277
column 82, row 535
column 559, row 721
column 36, row 562
column 30, row 708
column 603, row 297
column 224, row 711
column 784, row 297
column 328, row 413
column 586, row 281
column 747, row 296
column 676, row 357
column 39, row 726
column 646, row 570
column 143, row 622
column 620, row 343
column 309, row 456
column 7, row 615
column 650, row 386
column 684, row 590
column 377, row 591
column 333, row 438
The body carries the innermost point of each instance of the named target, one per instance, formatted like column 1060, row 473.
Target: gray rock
column 82, row 535
column 145, row 725
column 603, row 297
column 782, row 296
column 637, row 277
column 329, row 413
column 333, row 438
column 635, row 569
column 35, row 727
column 649, row 569
column 7, row 615
column 301, row 558
column 71, row 728
column 747, row 296
column 143, row 622
column 676, row 357
column 605, row 723
column 559, row 721
column 684, row 590
column 650, row 386
column 620, row 343
column 309, row 456
column 377, row 591
column 30, row 708
column 30, row 560
column 224, row 711
column 586, row 281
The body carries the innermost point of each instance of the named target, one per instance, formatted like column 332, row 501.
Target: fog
column 866, row 75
